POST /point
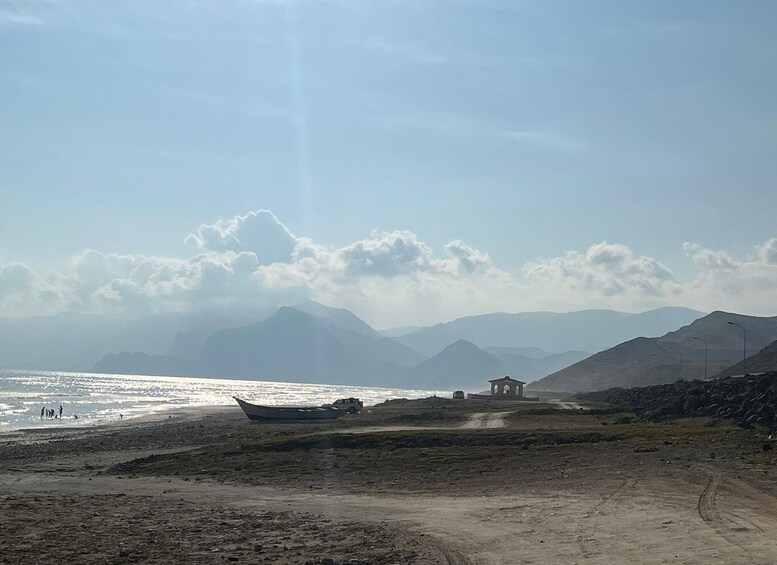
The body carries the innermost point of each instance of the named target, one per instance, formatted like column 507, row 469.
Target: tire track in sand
column 584, row 545
column 707, row 505
column 730, row 526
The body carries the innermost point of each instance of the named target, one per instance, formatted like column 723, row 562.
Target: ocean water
column 99, row 398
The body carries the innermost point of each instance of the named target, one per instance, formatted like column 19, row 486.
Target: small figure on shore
column 60, row 410
column 121, row 416
column 42, row 411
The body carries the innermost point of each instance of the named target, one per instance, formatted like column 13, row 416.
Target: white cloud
column 390, row 278
column 717, row 259
column 23, row 291
column 259, row 232
column 768, row 252
column 604, row 270
column 386, row 255
column 468, row 259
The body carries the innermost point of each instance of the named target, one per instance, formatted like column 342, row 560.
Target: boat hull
column 291, row 413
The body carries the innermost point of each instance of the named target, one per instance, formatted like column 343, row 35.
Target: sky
column 413, row 161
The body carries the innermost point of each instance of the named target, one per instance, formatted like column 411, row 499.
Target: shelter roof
column 507, row 379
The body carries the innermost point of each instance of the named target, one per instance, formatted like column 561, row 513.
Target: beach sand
column 429, row 481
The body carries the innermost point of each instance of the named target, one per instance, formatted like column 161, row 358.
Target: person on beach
column 121, row 416
column 42, row 410
column 60, row 410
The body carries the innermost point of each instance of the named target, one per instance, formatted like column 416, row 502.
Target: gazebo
column 506, row 387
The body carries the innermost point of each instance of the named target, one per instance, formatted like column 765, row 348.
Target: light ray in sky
column 299, row 111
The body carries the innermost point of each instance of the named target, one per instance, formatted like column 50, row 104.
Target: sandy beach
column 432, row 481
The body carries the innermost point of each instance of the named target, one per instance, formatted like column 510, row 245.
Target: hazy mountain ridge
column 144, row 364
column 461, row 362
column 342, row 318
column 589, row 330
column 75, row 341
column 316, row 343
column 292, row 345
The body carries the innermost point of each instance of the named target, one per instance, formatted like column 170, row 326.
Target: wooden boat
column 259, row 412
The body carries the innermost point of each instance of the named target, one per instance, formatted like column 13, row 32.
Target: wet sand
column 429, row 482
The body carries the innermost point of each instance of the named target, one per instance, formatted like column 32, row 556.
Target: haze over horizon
column 412, row 165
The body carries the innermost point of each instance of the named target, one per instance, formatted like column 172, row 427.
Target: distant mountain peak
column 461, row 344
column 342, row 318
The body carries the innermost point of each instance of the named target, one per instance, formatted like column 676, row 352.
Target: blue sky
column 528, row 130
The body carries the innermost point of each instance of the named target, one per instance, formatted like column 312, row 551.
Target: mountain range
column 311, row 342
column 586, row 330
column 315, row 343
column 333, row 347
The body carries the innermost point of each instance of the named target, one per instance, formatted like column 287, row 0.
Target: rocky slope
column 749, row 400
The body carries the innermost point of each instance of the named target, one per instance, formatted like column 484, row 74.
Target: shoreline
column 426, row 481
column 177, row 413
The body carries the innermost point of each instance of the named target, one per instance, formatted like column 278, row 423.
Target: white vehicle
column 350, row 405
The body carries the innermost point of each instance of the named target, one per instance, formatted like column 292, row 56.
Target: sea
column 101, row 398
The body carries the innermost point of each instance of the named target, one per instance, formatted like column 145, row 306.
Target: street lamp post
column 744, row 347
column 679, row 364
column 660, row 368
column 706, row 350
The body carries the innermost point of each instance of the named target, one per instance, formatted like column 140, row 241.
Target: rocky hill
column 676, row 355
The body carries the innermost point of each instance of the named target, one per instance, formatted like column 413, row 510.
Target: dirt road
column 485, row 420
column 645, row 520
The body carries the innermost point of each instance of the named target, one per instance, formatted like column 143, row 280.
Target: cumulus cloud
column 467, row 259
column 260, row 233
column 768, row 252
column 386, row 255
column 713, row 259
column 604, row 269
column 23, row 291
column 390, row 278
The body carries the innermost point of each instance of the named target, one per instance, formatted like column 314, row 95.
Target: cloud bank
column 389, row 278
